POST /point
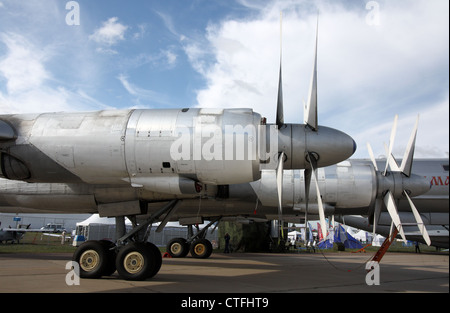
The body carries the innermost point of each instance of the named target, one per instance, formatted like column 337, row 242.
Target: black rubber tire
column 158, row 259
column 93, row 259
column 178, row 248
column 136, row 261
column 201, row 249
column 111, row 250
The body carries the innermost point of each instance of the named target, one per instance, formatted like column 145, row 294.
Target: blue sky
column 376, row 59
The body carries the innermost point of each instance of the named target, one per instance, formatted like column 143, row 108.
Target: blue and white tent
column 340, row 235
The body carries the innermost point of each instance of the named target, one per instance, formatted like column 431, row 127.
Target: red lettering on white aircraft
column 439, row 181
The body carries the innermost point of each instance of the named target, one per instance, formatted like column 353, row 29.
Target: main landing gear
column 132, row 256
column 197, row 244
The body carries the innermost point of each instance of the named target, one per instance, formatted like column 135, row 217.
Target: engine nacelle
column 213, row 146
column 137, row 147
column 345, row 185
column 123, row 147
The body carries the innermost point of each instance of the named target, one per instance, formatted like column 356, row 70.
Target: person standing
column 227, row 243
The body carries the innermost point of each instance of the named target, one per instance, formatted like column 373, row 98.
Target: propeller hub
column 329, row 146
column 396, row 183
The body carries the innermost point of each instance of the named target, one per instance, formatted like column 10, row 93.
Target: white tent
column 96, row 219
column 102, row 228
column 99, row 228
column 293, row 235
column 361, row 236
column 378, row 241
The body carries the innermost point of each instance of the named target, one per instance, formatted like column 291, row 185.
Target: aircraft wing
column 23, row 230
column 57, row 235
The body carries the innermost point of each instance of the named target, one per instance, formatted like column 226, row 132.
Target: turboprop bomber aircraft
column 347, row 188
column 118, row 162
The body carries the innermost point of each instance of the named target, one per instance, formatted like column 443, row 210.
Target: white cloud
column 431, row 136
column 197, row 55
column 110, row 33
column 35, row 100
column 366, row 74
column 131, row 89
column 23, row 65
column 242, row 65
column 168, row 22
column 141, row 32
column 30, row 86
column 165, row 58
column 140, row 95
column 171, row 57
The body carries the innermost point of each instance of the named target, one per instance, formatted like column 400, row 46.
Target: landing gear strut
column 197, row 244
column 132, row 256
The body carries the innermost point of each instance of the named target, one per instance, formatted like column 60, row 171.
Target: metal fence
column 108, row 232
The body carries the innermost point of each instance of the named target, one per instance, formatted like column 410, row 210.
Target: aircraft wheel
column 93, row 258
column 157, row 257
column 178, row 248
column 136, row 261
column 201, row 249
column 111, row 260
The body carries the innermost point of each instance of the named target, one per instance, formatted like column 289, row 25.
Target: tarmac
column 239, row 273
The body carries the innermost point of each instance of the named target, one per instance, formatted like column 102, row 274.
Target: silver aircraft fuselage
column 347, row 188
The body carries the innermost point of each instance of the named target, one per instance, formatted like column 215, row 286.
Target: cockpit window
column 445, row 166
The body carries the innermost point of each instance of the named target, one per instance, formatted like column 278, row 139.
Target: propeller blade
column 307, row 188
column 372, row 157
column 280, row 113
column 391, row 231
column 280, row 191
column 420, row 223
column 323, row 223
column 391, row 161
column 310, row 110
column 392, row 209
column 391, row 143
column 376, row 216
column 406, row 165
column 280, row 184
